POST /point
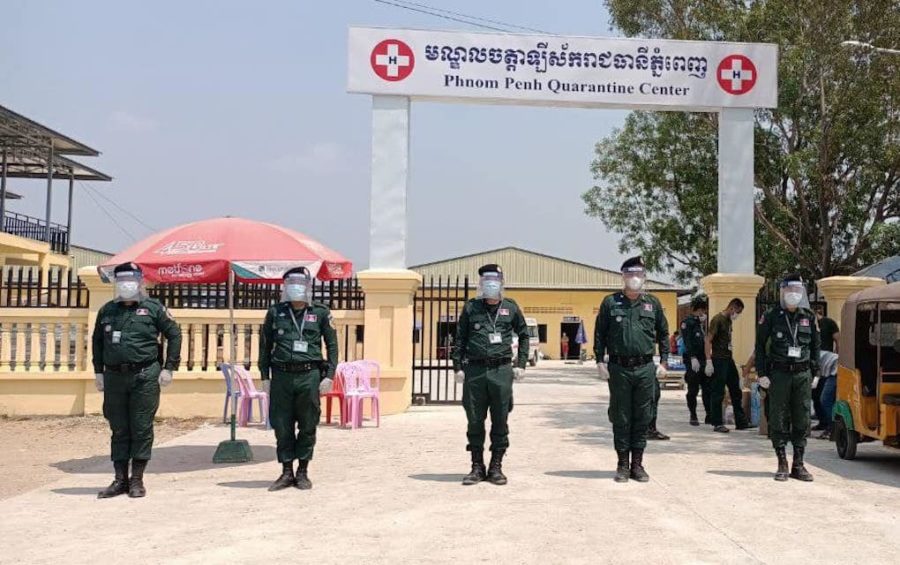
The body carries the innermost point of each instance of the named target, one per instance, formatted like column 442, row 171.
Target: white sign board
column 562, row 71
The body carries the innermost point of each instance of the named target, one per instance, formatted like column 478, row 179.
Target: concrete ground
column 392, row 495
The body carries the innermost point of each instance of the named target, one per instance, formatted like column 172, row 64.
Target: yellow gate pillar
column 721, row 288
column 100, row 294
column 836, row 290
column 388, row 332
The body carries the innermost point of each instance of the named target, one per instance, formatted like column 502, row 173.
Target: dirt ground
column 41, row 450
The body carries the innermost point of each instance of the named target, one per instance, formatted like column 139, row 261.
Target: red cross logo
column 736, row 74
column 392, row 60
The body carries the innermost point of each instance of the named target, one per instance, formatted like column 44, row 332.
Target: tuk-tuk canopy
column 886, row 293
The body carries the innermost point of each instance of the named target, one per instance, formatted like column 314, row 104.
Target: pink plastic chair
column 359, row 385
column 248, row 395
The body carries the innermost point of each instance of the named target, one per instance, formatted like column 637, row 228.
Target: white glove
column 98, row 381
column 267, row 386
column 460, row 376
column 661, row 372
column 165, row 377
column 518, row 374
column 708, row 370
column 695, row 364
column 764, row 382
column 602, row 371
column 325, row 386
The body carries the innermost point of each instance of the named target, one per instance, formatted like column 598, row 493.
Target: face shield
column 793, row 295
column 490, row 286
column 129, row 286
column 297, row 288
column 633, row 278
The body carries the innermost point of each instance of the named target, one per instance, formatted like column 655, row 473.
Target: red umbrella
column 207, row 251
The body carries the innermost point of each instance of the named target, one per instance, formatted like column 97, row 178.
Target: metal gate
column 437, row 307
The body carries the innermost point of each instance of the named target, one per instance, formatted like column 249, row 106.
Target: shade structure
column 205, row 252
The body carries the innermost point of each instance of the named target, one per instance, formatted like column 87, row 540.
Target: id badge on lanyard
column 794, row 351
column 495, row 337
column 117, row 337
column 300, row 345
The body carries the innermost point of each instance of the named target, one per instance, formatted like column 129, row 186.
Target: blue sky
column 213, row 108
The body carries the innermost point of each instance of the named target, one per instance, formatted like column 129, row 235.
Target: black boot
column 302, row 481
column 136, row 486
column 653, row 433
column 637, row 466
column 286, row 479
column 782, row 473
column 119, row 484
column 622, row 469
column 478, row 472
column 798, row 471
column 694, row 420
column 495, row 471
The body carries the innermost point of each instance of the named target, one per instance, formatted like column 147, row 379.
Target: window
column 542, row 333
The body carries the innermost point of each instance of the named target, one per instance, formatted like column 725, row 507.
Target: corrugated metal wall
column 525, row 269
column 84, row 257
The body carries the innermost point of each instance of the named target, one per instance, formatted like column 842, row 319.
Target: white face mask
column 735, row 316
column 634, row 283
column 792, row 298
column 702, row 317
column 296, row 293
column 491, row 289
column 127, row 290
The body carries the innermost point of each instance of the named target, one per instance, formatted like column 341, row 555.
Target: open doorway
column 568, row 347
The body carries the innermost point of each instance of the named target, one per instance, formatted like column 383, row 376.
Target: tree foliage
column 827, row 160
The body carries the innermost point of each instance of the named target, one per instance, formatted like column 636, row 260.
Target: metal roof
column 34, row 167
column 887, row 269
column 526, row 269
column 18, row 131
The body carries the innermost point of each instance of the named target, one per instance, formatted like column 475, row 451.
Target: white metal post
column 390, row 173
column 736, row 198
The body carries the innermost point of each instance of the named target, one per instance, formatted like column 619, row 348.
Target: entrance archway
column 399, row 66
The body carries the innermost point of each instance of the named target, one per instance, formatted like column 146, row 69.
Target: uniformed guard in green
column 787, row 355
column 693, row 332
column 630, row 323
column 725, row 373
column 294, row 373
column 127, row 371
column 482, row 361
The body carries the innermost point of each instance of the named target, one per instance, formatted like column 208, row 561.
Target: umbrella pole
column 232, row 355
column 234, row 450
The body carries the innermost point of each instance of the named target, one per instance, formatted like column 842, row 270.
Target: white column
column 736, row 191
column 390, row 168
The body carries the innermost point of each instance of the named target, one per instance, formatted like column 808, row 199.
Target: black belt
column 129, row 367
column 791, row 367
column 299, row 367
column 490, row 363
column 629, row 361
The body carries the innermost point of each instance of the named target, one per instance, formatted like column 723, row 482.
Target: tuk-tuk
column 867, row 407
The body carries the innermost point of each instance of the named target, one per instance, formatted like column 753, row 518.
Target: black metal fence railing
column 35, row 228
column 436, row 309
column 24, row 287
column 337, row 295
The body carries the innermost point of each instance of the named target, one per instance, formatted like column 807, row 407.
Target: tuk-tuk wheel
column 845, row 439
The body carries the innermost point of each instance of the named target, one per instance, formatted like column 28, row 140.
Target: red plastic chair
column 337, row 392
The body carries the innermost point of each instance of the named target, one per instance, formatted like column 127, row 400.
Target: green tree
column 827, row 160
